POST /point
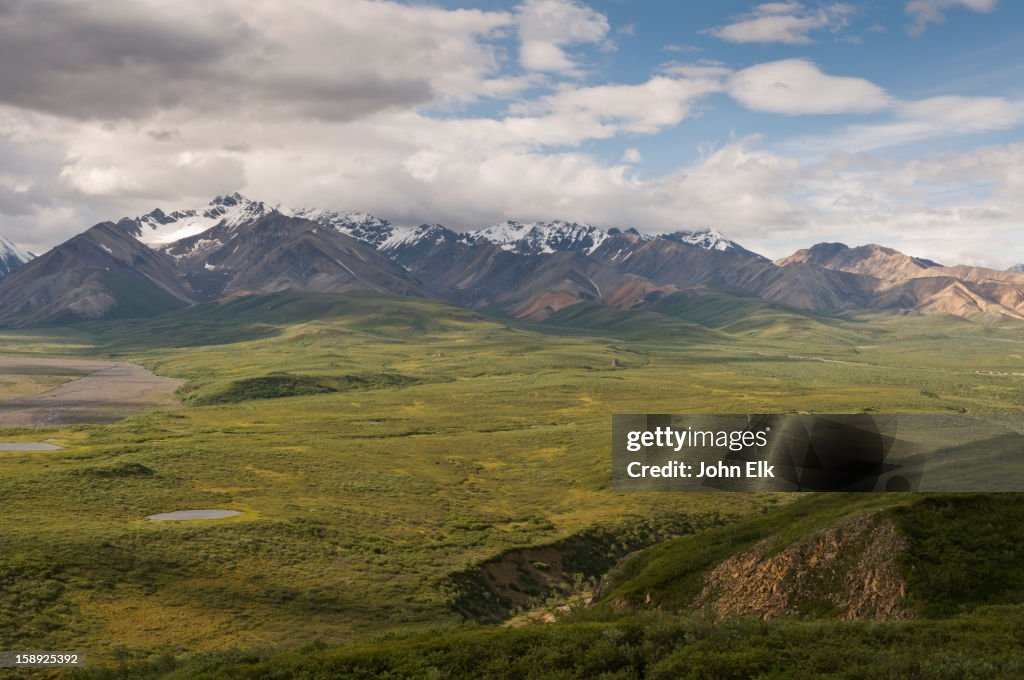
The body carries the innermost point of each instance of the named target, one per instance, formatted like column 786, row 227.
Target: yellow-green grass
column 20, row 385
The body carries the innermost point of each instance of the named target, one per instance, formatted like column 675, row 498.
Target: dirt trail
column 111, row 391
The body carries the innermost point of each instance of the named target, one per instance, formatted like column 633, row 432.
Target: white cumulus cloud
column 547, row 27
column 798, row 86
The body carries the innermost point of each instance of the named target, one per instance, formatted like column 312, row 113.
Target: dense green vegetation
column 653, row 645
column 967, row 550
column 377, row 446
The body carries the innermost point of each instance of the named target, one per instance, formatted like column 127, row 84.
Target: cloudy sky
column 781, row 124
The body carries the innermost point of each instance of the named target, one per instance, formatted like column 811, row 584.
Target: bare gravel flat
column 110, row 391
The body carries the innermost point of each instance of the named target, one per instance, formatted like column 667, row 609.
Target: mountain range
column 236, row 246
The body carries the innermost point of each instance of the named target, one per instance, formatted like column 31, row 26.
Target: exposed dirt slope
column 847, row 570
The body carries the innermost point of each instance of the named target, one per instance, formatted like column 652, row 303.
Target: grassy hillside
column 376, row 446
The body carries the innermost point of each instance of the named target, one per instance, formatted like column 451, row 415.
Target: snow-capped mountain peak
column 12, row 256
column 1019, row 268
column 534, row 238
column 710, row 239
column 11, row 249
column 158, row 228
column 434, row 234
column 359, row 225
column 235, row 210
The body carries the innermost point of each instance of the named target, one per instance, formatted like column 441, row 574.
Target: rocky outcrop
column 849, row 570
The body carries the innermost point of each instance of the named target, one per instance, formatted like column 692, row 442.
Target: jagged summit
column 157, row 228
column 160, row 229
column 359, row 225
column 230, row 200
column 709, row 239
column 434, row 234
column 533, row 238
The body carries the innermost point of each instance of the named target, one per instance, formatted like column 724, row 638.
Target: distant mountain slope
column 682, row 265
column 12, row 257
column 102, row 273
column 872, row 260
column 918, row 285
column 277, row 252
column 980, row 274
column 477, row 273
column 950, row 295
column 530, row 273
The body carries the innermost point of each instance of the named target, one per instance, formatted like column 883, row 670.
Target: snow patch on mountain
column 434, row 234
column 359, row 225
column 710, row 239
column 158, row 228
column 535, row 238
column 9, row 249
column 12, row 256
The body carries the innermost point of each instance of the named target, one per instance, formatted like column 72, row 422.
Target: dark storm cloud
column 74, row 60
column 109, row 60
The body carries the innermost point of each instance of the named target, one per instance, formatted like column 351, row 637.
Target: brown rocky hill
column 919, row 286
column 870, row 260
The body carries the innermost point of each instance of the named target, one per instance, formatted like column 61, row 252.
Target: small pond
column 193, row 514
column 28, row 446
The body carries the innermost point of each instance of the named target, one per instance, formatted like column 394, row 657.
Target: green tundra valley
column 422, row 490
